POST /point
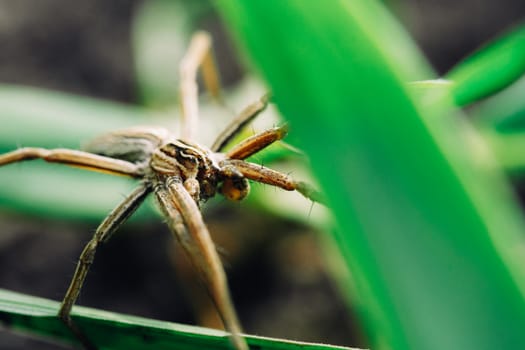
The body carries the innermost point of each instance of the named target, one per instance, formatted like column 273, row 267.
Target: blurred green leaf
column 161, row 32
column 508, row 147
column 490, row 69
column 505, row 111
column 42, row 118
column 427, row 224
column 501, row 120
column 54, row 191
column 161, row 29
column 109, row 330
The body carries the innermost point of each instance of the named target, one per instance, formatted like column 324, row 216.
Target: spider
column 181, row 174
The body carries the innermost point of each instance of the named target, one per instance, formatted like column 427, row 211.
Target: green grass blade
column 505, row 111
column 425, row 218
column 508, row 147
column 109, row 330
column 54, row 191
column 490, row 69
column 42, row 118
column 501, row 120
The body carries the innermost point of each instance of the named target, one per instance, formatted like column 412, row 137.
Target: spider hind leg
column 108, row 226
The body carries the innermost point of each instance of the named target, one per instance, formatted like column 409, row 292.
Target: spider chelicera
column 181, row 174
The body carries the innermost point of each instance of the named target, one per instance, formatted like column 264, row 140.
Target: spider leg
column 185, row 222
column 238, row 124
column 272, row 177
column 104, row 231
column 198, row 55
column 74, row 158
column 257, row 142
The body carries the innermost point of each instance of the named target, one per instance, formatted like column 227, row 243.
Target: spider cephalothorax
column 195, row 165
column 180, row 174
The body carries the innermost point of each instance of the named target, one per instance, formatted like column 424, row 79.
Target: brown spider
column 181, row 174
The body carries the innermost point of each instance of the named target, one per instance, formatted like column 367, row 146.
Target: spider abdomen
column 133, row 145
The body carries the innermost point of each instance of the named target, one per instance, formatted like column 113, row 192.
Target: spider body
column 195, row 166
column 181, row 174
column 156, row 152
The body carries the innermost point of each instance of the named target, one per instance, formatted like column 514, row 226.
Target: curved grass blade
column 426, row 220
column 490, row 69
column 487, row 71
column 110, row 330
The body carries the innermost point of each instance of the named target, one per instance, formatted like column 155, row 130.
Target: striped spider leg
column 181, row 175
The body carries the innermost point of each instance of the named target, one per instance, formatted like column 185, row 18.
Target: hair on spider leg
column 308, row 217
column 225, row 255
column 292, row 148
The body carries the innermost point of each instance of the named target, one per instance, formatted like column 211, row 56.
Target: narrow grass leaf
column 490, row 69
column 110, row 330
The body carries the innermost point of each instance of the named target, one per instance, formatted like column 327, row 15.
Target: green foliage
column 425, row 218
column 116, row 331
column 490, row 69
column 159, row 40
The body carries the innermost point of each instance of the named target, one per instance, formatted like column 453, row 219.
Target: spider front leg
column 257, row 142
column 102, row 234
column 240, row 122
column 198, row 55
column 185, row 221
column 235, row 160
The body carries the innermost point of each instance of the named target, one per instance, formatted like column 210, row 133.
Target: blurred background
column 127, row 51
